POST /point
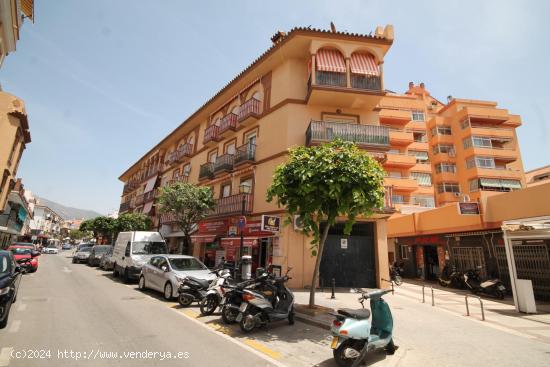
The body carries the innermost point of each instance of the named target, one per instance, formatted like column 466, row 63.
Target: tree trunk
column 318, row 264
column 187, row 243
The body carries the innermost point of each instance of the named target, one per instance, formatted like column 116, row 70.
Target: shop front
column 422, row 256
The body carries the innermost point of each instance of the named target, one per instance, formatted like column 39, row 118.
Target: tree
column 188, row 204
column 76, row 234
column 322, row 183
column 100, row 226
column 132, row 222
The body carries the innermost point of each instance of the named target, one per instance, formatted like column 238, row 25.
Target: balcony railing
column 233, row 205
column 206, row 171
column 138, row 200
column 148, row 196
column 168, row 218
column 228, row 122
column 211, row 133
column 184, row 178
column 362, row 135
column 249, row 108
column 224, row 163
column 186, row 150
column 152, row 171
column 368, row 82
column 330, row 78
column 245, row 153
column 124, row 207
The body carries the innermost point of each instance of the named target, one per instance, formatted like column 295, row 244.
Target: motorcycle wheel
column 185, row 299
column 209, row 304
column 500, row 294
column 229, row 315
column 247, row 323
column 291, row 316
column 442, row 283
column 346, row 354
column 398, row 280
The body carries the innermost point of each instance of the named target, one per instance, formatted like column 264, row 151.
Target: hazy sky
column 105, row 80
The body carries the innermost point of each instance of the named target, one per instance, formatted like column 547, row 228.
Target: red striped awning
column 330, row 60
column 363, row 63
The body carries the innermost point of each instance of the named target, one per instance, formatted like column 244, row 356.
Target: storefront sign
column 254, row 229
column 344, row 243
column 214, row 227
column 236, row 242
column 468, row 208
column 271, row 223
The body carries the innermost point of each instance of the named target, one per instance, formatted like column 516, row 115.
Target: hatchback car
column 106, row 261
column 96, row 253
column 51, row 249
column 82, row 255
column 10, row 277
column 164, row 273
column 23, row 252
column 66, row 246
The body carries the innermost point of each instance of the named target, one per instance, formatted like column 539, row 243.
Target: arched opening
column 365, row 72
column 330, row 67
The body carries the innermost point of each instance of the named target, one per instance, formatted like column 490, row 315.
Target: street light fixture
column 244, row 189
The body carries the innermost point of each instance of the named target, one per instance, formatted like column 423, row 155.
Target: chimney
column 422, row 85
column 278, row 36
column 449, row 99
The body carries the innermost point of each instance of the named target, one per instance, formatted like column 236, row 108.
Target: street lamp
column 244, row 189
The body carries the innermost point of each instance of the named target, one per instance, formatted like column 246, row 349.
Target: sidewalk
column 498, row 314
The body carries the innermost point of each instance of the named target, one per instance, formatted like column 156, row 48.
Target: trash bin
column 246, row 267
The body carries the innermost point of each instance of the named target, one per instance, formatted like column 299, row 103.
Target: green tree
column 322, row 183
column 76, row 234
column 188, row 204
column 132, row 222
column 100, row 226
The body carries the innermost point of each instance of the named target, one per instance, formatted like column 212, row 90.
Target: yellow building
column 12, row 15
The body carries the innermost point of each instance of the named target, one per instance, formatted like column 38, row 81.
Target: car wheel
column 115, row 272
column 141, row 284
column 126, row 276
column 168, row 291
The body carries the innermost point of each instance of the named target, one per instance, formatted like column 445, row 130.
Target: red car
column 25, row 251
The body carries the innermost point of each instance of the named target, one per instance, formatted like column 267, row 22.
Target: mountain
column 67, row 212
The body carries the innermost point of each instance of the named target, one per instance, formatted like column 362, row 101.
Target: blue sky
column 105, row 80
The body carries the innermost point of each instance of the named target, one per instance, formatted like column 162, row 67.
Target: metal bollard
column 332, row 296
column 433, row 301
column 480, row 304
column 423, row 297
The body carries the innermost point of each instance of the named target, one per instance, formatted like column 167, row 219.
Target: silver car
column 82, row 255
column 164, row 273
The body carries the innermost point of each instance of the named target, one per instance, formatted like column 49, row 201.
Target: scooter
column 395, row 274
column 354, row 335
column 259, row 308
column 451, row 278
column 232, row 299
column 214, row 295
column 491, row 287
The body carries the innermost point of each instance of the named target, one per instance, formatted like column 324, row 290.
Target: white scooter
column 214, row 295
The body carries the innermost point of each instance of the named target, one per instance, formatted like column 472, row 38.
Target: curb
column 306, row 319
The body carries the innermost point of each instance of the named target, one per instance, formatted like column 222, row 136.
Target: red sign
column 236, row 242
column 214, row 227
column 254, row 229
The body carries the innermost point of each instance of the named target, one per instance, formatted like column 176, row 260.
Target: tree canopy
column 132, row 222
column 323, row 183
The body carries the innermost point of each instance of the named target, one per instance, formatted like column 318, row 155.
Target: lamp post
column 244, row 189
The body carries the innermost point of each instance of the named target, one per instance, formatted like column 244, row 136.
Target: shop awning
column 511, row 184
column 490, row 182
column 363, row 63
column 198, row 239
column 147, row 207
column 150, row 184
column 232, row 242
column 330, row 60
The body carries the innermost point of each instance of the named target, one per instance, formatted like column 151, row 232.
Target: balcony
column 152, row 171
column 249, row 111
column 401, row 137
column 148, row 196
column 490, row 131
column 168, row 218
column 211, row 135
column 138, row 200
column 330, row 78
column 494, row 173
column 500, row 154
column 224, row 163
column 489, row 115
column 366, row 82
column 185, row 151
column 394, row 117
column 206, row 171
column 399, row 160
column 401, row 183
column 245, row 154
column 364, row 136
column 124, row 207
column 445, row 176
column 233, row 205
column 227, row 123
column 184, row 178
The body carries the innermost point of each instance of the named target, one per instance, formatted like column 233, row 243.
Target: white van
column 133, row 249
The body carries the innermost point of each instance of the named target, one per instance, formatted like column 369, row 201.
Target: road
column 66, row 308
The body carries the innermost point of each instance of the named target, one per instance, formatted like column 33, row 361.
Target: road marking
column 67, row 270
column 190, row 313
column 262, row 348
column 15, row 325
column 5, row 355
column 22, row 307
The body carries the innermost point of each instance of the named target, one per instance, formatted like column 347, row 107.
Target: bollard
column 433, row 301
column 480, row 304
column 423, row 297
column 332, row 296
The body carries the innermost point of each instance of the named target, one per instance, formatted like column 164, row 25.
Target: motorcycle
column 25, row 264
column 451, row 278
column 491, row 287
column 232, row 299
column 354, row 335
column 214, row 294
column 193, row 289
column 262, row 307
column 395, row 274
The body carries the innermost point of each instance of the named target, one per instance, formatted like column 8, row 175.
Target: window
column 421, row 156
column 404, row 252
column 4, row 179
column 465, row 124
column 212, row 156
column 418, row 115
column 494, row 184
column 230, row 148
column 250, row 138
column 419, row 137
column 423, row 179
column 444, row 148
column 445, row 167
column 226, row 190
column 186, row 170
column 250, row 183
column 329, row 117
column 394, row 174
column 477, row 141
column 14, row 146
column 448, row 187
column 176, row 174
column 424, row 201
column 442, row 130
column 398, row 199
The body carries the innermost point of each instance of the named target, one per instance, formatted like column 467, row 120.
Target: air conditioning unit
column 457, row 194
column 298, row 226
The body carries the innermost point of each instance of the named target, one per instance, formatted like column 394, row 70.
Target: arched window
column 365, row 73
column 257, row 96
column 330, row 67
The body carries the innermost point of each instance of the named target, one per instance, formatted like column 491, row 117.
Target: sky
column 104, row 81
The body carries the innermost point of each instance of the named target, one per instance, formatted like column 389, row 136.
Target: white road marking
column 22, row 307
column 5, row 355
column 67, row 270
column 15, row 325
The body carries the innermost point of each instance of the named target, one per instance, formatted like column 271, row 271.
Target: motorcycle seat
column 360, row 314
column 201, row 282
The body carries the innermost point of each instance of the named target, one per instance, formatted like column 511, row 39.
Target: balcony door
column 212, row 156
column 230, row 149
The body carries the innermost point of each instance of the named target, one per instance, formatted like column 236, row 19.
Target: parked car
column 27, row 244
column 106, row 261
column 82, row 245
column 164, row 273
column 134, row 249
column 82, row 255
column 10, row 278
column 51, row 249
column 96, row 253
column 23, row 252
column 66, row 246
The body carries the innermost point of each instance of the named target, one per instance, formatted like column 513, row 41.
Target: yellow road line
column 191, row 313
column 262, row 348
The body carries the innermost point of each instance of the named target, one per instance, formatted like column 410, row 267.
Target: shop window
column 404, row 252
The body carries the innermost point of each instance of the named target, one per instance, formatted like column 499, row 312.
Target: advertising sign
column 271, row 223
column 344, row 243
column 468, row 208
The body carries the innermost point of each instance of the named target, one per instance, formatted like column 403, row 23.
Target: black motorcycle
column 395, row 274
column 451, row 278
column 491, row 287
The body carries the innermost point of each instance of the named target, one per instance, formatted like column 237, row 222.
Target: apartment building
column 12, row 15
column 537, row 176
column 45, row 224
column 16, row 214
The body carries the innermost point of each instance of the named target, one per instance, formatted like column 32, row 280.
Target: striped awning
column 147, row 207
column 363, row 63
column 330, row 60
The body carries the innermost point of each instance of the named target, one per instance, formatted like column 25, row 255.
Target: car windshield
column 85, row 249
column 21, row 250
column 187, row 264
column 4, row 263
column 148, row 248
column 101, row 249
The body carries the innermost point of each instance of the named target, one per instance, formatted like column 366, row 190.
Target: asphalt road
column 72, row 315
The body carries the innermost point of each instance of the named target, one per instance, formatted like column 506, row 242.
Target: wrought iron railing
column 224, row 163
column 211, row 133
column 250, row 107
column 206, row 170
column 228, row 122
column 330, row 78
column 233, row 205
column 368, row 82
column 323, row 131
column 124, row 207
column 245, row 153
